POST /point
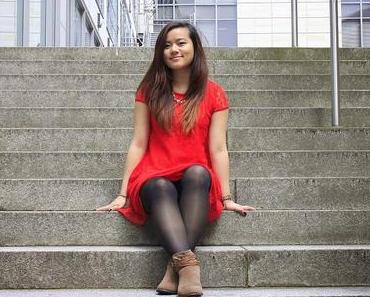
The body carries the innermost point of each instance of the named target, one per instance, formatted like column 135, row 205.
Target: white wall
column 267, row 23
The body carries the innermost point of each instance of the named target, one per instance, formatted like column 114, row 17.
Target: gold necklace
column 177, row 100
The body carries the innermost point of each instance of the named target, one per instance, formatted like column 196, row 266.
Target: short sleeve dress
column 169, row 154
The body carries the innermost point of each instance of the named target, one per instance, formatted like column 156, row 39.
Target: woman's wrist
column 226, row 197
column 121, row 195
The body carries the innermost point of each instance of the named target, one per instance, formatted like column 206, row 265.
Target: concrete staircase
column 66, row 117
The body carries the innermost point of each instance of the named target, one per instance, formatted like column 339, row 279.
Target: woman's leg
column 194, row 203
column 160, row 201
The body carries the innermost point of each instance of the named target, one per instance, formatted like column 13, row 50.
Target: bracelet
column 121, row 195
column 226, row 197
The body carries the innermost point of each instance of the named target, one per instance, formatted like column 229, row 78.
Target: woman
column 177, row 167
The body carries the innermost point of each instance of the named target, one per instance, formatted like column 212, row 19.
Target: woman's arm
column 135, row 152
column 218, row 149
column 138, row 143
column 220, row 159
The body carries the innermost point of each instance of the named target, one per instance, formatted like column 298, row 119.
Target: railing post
column 294, row 21
column 334, row 62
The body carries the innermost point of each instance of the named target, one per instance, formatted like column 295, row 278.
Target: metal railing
column 334, row 62
column 335, row 91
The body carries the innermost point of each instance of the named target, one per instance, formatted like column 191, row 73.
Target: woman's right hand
column 116, row 204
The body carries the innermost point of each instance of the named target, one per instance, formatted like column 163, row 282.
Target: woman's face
column 179, row 50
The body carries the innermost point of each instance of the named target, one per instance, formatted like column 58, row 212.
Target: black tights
column 179, row 210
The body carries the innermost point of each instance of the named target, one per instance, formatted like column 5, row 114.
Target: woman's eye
column 182, row 43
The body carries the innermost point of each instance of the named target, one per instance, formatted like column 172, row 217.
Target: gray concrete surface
column 230, row 292
column 107, row 164
column 103, row 228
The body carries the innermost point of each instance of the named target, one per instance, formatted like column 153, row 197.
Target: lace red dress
column 169, row 154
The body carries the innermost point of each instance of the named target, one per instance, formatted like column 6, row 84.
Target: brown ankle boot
column 169, row 283
column 186, row 264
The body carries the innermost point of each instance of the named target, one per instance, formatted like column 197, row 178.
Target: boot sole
column 164, row 292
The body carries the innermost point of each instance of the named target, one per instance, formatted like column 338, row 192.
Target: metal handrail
column 334, row 63
column 294, row 21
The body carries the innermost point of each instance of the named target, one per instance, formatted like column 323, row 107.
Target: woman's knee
column 197, row 175
column 158, row 188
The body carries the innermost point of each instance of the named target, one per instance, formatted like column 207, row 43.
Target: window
column 216, row 23
column 355, row 23
column 77, row 24
column 8, row 23
column 112, row 20
column 100, row 4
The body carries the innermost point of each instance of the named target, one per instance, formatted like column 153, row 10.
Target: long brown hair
column 156, row 85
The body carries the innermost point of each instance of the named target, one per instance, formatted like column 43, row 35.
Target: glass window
column 35, row 23
column 351, row 33
column 35, row 8
column 207, row 31
column 165, row 2
column 349, row 1
column 226, row 33
column 366, row 10
column 165, row 12
column 226, row 12
column 100, row 4
column 63, row 23
column 226, row 1
column 77, row 24
column 205, row 2
column 205, row 12
column 7, row 24
column 184, row 2
column 112, row 20
column 351, row 11
column 184, row 11
column 366, row 28
column 8, row 39
column 7, row 8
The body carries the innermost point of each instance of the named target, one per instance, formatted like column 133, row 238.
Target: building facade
column 61, row 22
column 215, row 19
column 268, row 23
column 221, row 23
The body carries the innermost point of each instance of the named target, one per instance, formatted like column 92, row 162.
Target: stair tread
column 230, row 292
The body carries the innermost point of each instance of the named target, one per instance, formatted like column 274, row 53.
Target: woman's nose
column 174, row 48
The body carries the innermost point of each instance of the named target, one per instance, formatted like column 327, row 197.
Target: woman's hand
column 116, row 204
column 241, row 209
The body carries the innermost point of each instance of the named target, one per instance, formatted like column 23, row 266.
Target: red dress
column 169, row 154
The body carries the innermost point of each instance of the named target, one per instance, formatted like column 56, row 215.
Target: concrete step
column 250, row 139
column 315, row 193
column 131, row 81
column 108, row 117
column 304, row 193
column 215, row 67
column 122, row 98
column 259, row 227
column 24, row 165
column 207, row 292
column 211, row 53
column 142, row 267
column 232, row 81
column 296, row 117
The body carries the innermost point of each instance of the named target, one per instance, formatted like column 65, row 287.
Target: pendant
column 177, row 101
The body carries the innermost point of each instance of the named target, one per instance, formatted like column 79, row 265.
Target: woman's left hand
column 241, row 209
